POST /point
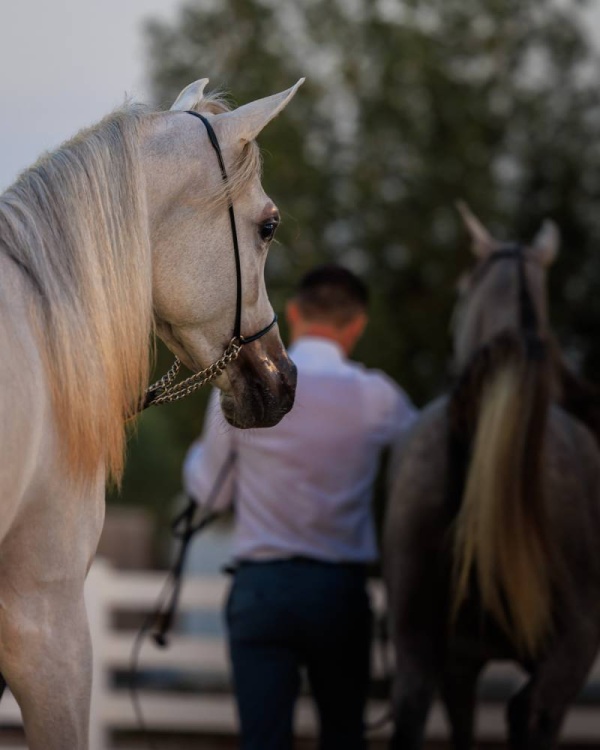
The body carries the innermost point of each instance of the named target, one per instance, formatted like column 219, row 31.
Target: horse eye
column 267, row 229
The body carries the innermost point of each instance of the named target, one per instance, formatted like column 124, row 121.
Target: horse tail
column 500, row 533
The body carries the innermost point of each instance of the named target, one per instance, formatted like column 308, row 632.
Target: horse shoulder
column 415, row 532
column 416, row 521
column 24, row 398
column 573, row 493
column 572, row 450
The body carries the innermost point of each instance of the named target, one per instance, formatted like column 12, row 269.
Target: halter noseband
column 164, row 391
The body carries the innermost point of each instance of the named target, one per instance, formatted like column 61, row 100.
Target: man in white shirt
column 304, row 531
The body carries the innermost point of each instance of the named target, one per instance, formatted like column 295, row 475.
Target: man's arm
column 392, row 410
column 208, row 472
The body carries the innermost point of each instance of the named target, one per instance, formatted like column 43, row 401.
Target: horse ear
column 483, row 242
column 546, row 243
column 246, row 122
column 191, row 95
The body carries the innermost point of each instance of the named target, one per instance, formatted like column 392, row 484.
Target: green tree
column 409, row 105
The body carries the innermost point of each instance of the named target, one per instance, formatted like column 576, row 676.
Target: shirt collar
column 316, row 352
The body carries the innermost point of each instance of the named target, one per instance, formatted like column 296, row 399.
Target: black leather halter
column 165, row 390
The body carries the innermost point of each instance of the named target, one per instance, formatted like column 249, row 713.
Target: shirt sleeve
column 208, row 471
column 392, row 410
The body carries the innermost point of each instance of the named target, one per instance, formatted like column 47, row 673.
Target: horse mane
column 498, row 413
column 76, row 224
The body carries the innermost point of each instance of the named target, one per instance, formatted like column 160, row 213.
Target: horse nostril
column 293, row 377
column 287, row 370
column 291, row 381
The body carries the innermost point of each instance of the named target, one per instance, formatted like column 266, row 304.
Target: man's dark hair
column 331, row 293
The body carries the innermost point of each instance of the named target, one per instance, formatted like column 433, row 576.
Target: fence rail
column 199, row 660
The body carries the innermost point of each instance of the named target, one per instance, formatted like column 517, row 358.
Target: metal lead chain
column 166, row 379
column 163, row 392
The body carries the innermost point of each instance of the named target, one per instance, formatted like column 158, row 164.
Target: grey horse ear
column 483, row 242
column 245, row 123
column 191, row 95
column 546, row 242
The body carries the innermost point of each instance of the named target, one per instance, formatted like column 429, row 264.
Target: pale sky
column 64, row 64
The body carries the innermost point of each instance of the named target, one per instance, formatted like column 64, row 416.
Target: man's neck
column 319, row 331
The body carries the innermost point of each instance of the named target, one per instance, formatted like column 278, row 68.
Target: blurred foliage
column 408, row 106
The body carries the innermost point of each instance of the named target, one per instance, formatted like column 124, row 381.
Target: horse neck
column 576, row 395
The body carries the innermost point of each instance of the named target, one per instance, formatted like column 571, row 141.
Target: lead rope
column 183, row 529
column 381, row 643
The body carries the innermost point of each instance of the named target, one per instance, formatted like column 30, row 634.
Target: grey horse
column 491, row 539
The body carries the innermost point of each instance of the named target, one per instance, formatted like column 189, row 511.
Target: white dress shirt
column 305, row 486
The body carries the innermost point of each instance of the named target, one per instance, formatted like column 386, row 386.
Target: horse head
column 506, row 277
column 195, row 279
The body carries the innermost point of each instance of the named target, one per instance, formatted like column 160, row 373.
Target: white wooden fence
column 212, row 711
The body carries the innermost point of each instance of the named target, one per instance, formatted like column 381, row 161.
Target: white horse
column 121, row 231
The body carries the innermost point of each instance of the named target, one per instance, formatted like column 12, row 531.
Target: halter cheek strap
column 212, row 137
column 165, row 390
column 237, row 326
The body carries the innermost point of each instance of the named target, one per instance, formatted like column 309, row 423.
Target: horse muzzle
column 263, row 384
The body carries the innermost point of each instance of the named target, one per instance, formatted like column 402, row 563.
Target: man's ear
column 357, row 325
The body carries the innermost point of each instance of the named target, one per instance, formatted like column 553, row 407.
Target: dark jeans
column 288, row 614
